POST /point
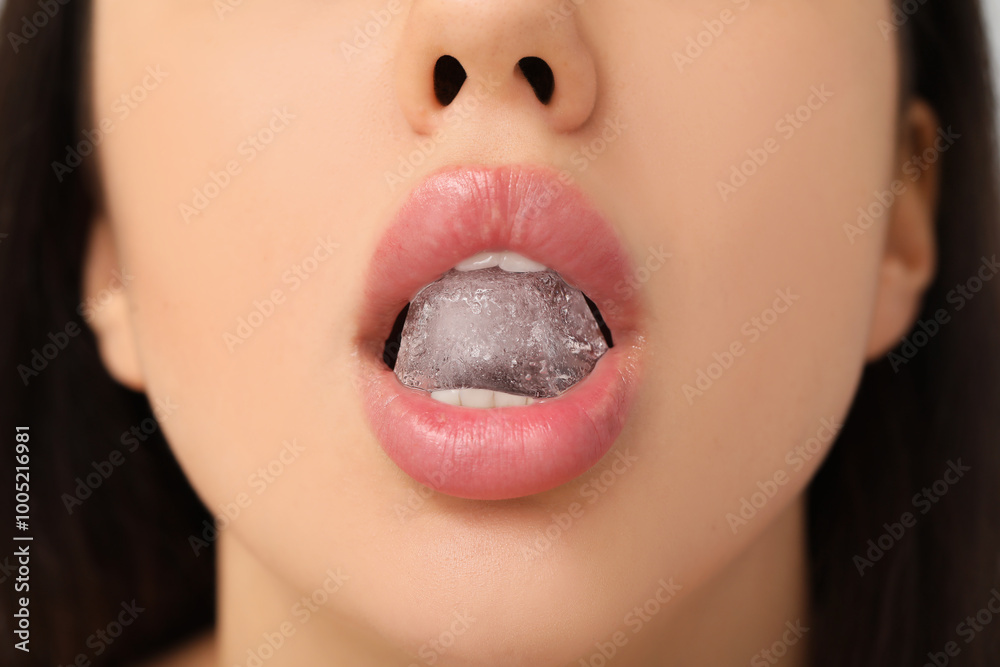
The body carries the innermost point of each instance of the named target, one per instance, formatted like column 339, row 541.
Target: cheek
column 244, row 193
column 746, row 162
column 228, row 184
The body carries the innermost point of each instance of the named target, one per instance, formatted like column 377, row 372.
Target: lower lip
column 497, row 453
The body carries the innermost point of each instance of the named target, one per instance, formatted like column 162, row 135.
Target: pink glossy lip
column 501, row 452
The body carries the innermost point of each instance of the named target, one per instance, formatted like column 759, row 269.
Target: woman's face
column 257, row 157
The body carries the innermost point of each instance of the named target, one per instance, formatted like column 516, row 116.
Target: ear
column 909, row 255
column 106, row 306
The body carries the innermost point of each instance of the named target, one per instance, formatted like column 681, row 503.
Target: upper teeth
column 506, row 260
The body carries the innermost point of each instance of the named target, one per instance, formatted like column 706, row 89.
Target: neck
column 755, row 611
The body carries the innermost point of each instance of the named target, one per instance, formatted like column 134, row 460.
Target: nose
column 525, row 54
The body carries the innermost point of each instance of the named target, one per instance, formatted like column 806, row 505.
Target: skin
column 340, row 504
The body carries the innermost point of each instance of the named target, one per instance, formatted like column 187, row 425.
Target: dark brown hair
column 128, row 540
column 932, row 405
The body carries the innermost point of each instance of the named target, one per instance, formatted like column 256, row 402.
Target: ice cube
column 528, row 334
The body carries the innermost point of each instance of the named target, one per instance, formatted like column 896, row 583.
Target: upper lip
column 458, row 212
column 505, row 452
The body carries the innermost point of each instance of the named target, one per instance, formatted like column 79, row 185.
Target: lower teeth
column 480, row 398
column 491, row 338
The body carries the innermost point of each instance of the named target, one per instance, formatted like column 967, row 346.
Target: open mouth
column 497, row 359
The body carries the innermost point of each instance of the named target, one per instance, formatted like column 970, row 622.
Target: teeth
column 449, row 396
column 480, row 398
column 484, row 260
column 477, row 398
column 519, row 264
column 508, row 261
column 502, row 400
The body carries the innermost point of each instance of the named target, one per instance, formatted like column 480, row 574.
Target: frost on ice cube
column 528, row 334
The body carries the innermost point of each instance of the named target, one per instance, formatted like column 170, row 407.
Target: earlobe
column 909, row 255
column 105, row 307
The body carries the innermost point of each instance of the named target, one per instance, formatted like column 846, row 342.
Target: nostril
column 449, row 75
column 539, row 75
